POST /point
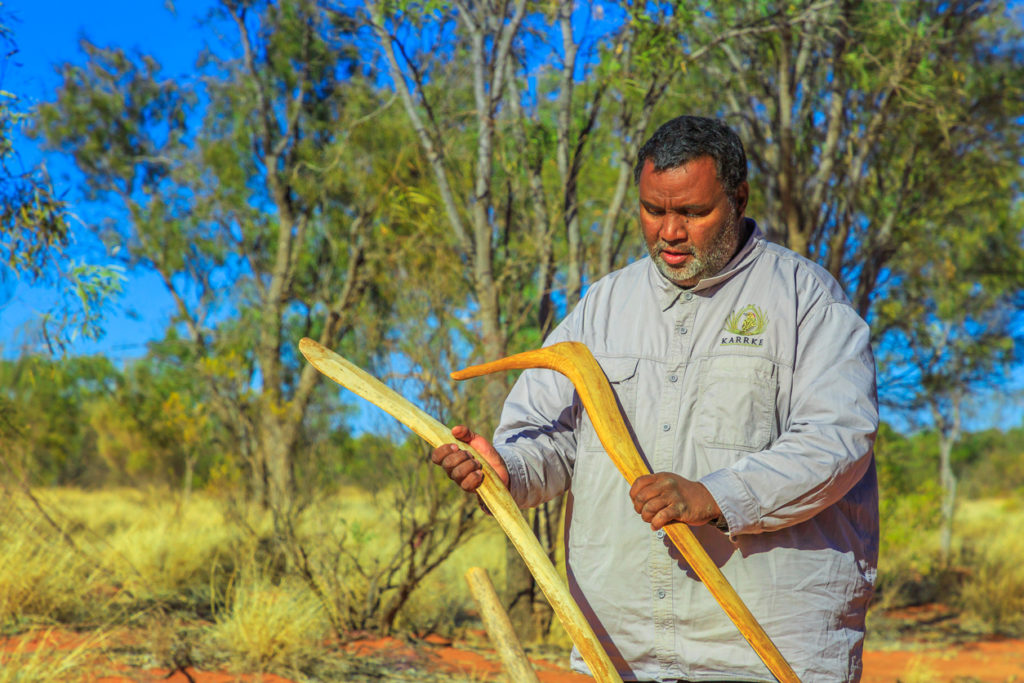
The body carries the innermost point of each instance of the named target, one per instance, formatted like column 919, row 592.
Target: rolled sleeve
column 539, row 451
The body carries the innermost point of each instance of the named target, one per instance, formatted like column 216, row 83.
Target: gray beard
column 704, row 262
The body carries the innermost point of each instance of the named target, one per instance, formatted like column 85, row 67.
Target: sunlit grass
column 43, row 578
column 161, row 553
column 36, row 660
column 131, row 556
column 992, row 596
column 269, row 625
column 918, row 672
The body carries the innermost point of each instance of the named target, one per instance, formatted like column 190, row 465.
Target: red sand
column 994, row 660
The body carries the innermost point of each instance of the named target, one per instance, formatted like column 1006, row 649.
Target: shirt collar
column 668, row 292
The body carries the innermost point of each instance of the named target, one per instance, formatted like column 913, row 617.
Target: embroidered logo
column 744, row 325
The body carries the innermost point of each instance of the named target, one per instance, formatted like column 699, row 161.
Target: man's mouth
column 675, row 257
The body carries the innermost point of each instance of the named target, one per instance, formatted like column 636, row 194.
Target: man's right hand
column 460, row 465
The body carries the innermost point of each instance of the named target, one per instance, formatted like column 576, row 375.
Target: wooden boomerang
column 575, row 361
column 492, row 491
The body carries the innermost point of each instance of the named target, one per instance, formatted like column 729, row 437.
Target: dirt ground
column 916, row 646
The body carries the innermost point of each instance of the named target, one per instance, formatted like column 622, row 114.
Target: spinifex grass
column 41, row 659
column 269, row 625
column 42, row 578
column 992, row 595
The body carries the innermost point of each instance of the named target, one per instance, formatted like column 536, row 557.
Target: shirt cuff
column 517, row 478
column 738, row 511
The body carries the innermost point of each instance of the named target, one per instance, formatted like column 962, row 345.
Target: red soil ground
column 996, row 660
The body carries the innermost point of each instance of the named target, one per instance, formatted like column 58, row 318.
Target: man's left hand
column 664, row 497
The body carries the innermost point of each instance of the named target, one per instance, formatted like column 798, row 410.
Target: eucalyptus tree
column 36, row 230
column 246, row 187
column 955, row 328
column 884, row 141
column 865, row 122
column 33, row 217
column 529, row 116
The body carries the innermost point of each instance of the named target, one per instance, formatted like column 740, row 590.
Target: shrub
column 910, row 571
column 993, row 594
column 42, row 577
column 270, row 625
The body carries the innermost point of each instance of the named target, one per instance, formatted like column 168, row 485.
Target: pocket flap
column 618, row 369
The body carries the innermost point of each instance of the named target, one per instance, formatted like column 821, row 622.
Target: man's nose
column 673, row 228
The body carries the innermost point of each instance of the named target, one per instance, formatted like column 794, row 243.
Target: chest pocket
column 621, row 374
column 736, row 408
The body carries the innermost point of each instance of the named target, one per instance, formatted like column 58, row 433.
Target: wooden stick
column 492, row 491
column 575, row 361
column 499, row 627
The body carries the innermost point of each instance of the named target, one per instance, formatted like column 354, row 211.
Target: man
column 749, row 385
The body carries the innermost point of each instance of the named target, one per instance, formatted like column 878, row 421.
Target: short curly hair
column 686, row 138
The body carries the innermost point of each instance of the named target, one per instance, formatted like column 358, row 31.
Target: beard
column 704, row 262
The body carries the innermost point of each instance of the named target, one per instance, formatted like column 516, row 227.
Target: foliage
column 45, row 427
column 366, row 567
column 36, row 231
column 33, row 217
column 232, row 178
column 990, row 463
column 913, row 567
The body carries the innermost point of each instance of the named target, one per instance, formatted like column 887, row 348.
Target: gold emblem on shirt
column 745, row 324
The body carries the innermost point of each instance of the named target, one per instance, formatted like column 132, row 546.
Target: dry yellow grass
column 42, row 578
column 270, row 626
column 136, row 551
column 34, row 662
column 992, row 548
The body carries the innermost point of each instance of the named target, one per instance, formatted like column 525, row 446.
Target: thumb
column 477, row 442
column 484, row 448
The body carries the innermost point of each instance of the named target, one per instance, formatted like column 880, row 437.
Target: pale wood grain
column 492, row 491
column 499, row 627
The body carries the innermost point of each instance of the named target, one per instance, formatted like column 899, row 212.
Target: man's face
column 691, row 228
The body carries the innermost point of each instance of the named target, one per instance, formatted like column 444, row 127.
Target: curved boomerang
column 492, row 491
column 575, row 361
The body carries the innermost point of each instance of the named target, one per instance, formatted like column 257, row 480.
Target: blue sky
column 47, row 33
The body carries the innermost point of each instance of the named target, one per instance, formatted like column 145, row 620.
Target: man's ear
column 742, row 194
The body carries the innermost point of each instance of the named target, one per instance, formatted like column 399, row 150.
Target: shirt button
column 688, row 296
column 661, row 533
column 673, row 378
column 682, row 330
column 661, row 594
column 665, row 428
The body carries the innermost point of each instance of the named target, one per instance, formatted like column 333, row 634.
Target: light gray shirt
column 759, row 383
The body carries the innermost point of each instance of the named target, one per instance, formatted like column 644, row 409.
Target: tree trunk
column 947, row 478
column 948, row 425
